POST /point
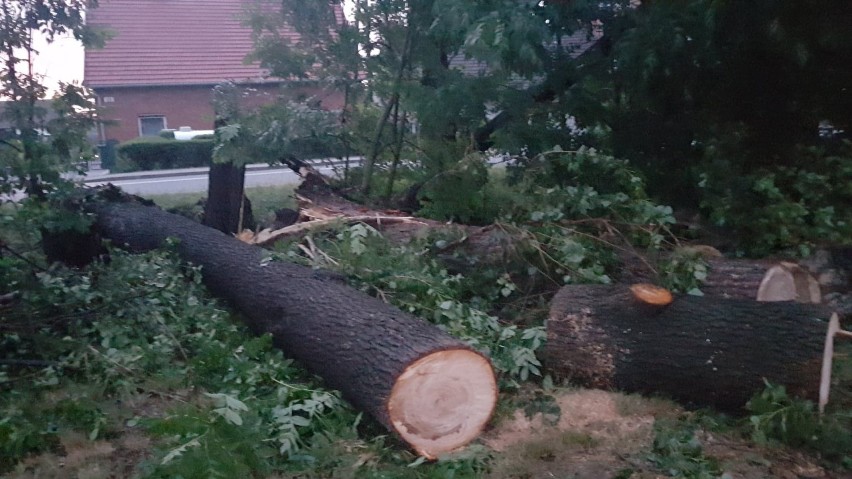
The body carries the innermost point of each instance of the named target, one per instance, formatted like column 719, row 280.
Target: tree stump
column 702, row 351
column 430, row 388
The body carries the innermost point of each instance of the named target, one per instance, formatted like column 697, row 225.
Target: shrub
column 782, row 207
column 776, row 416
column 317, row 147
column 458, row 193
column 678, row 451
column 159, row 153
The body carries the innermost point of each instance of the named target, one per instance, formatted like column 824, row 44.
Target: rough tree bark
column 433, row 390
column 227, row 209
column 698, row 350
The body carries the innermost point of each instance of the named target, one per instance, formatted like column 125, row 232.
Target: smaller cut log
column 783, row 281
column 702, row 351
column 741, row 279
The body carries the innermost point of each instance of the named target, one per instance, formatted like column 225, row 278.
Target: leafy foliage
column 715, row 111
column 684, row 271
column 586, row 185
column 786, row 207
column 143, row 326
column 38, row 148
column 460, row 191
column 281, row 131
column 678, row 451
column 577, row 209
column 775, row 416
column 724, row 113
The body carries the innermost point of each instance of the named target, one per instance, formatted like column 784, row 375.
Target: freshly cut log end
column 789, row 282
column 442, row 401
column 651, row 294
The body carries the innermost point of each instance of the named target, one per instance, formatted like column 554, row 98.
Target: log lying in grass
column 701, row 351
column 744, row 279
column 433, row 390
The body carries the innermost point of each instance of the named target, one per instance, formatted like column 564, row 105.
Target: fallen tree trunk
column 433, row 390
column 698, row 350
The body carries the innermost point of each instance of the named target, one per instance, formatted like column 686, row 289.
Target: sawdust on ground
column 602, row 434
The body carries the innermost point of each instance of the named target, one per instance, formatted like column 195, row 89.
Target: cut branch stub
column 651, row 294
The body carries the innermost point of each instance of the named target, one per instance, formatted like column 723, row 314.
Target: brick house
column 164, row 57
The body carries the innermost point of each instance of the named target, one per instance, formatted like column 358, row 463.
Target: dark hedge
column 161, row 154
column 156, row 153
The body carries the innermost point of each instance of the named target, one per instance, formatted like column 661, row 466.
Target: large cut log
column 699, row 350
column 433, row 390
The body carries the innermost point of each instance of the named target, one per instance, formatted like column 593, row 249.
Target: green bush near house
column 161, row 153
column 308, row 148
column 157, row 153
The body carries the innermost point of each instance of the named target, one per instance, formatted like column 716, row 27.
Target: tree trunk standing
column 433, row 390
column 227, row 209
column 399, row 137
column 376, row 148
column 370, row 161
column 698, row 350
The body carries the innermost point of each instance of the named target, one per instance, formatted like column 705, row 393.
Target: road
column 194, row 180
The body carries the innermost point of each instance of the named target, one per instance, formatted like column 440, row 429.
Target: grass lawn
column 264, row 200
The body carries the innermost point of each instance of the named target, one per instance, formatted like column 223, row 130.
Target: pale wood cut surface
column 443, row 401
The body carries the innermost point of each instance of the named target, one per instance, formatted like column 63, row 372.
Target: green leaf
column 228, row 133
column 178, row 451
column 235, row 404
column 231, row 416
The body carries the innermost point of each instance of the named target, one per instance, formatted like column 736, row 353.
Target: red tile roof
column 172, row 42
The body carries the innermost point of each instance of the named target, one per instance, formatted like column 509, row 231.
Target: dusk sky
column 61, row 60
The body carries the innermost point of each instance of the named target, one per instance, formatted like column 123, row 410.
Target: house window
column 151, row 125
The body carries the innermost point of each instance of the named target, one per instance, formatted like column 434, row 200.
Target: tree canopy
column 706, row 98
column 29, row 161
